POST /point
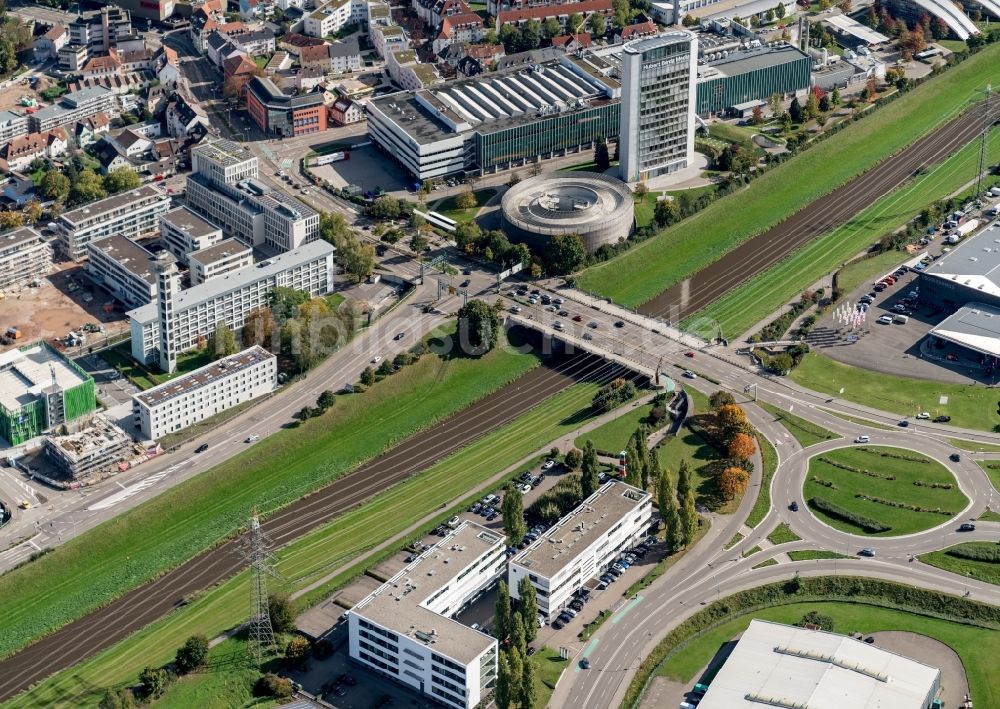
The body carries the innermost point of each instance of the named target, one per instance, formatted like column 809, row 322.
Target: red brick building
column 277, row 113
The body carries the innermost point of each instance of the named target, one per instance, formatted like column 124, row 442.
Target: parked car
column 453, row 522
column 942, row 419
column 885, row 320
column 619, row 323
column 922, row 416
column 689, row 354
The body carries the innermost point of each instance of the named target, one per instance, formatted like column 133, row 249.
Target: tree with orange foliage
column 733, row 482
column 742, row 447
column 732, row 420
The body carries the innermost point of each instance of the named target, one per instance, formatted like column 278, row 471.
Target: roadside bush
column 154, row 681
column 192, row 654
column 989, row 553
column 271, row 685
column 572, row 459
column 820, row 620
column 282, row 613
column 118, row 699
column 297, row 652
column 385, row 369
column 834, row 510
column 613, row 394
column 903, row 505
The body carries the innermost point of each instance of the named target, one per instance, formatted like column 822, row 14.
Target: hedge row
column 852, row 469
column 903, row 505
column 897, row 456
column 824, row 482
column 989, row 553
column 936, row 486
column 875, row 592
column 834, row 510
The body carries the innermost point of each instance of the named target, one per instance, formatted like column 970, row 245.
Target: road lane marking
column 628, row 606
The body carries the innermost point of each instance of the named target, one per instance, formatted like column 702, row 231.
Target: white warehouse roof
column 786, row 666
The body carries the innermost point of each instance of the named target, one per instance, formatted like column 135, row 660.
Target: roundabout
column 881, row 491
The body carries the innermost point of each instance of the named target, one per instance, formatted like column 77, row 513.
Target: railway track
column 759, row 253
column 100, row 629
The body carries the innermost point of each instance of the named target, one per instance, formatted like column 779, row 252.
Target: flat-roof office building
column 195, row 312
column 130, row 214
column 224, row 188
column 218, row 260
column 725, row 82
column 405, row 629
column 582, row 544
column 124, row 269
column 183, row 231
column 658, row 97
column 205, row 392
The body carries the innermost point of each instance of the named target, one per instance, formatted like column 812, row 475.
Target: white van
column 901, row 319
column 862, row 439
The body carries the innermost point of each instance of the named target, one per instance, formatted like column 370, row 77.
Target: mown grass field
column 978, row 647
column 132, row 548
column 848, row 483
column 805, row 432
column 762, row 505
column 969, row 406
column 450, row 209
column 867, row 270
column 742, row 308
column 613, row 436
column 322, row 552
column 548, row 668
column 811, row 554
column 782, row 534
column 973, row 568
column 672, row 255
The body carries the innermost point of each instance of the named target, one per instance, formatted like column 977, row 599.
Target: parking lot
column 368, row 169
column 884, row 344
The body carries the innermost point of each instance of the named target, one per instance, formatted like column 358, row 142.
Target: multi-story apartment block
column 123, row 268
column 327, row 19
column 205, row 392
column 72, row 57
column 224, row 188
column 194, row 313
column 99, row 31
column 659, row 84
column 218, row 260
column 72, row 107
column 405, row 629
column 130, row 214
column 582, row 544
column 156, row 10
column 12, row 124
column 24, row 255
column 183, row 232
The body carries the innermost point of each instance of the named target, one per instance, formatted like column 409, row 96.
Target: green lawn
column 120, row 358
column 978, row 647
column 974, row 446
column 991, row 472
column 989, row 515
column 743, row 307
column 980, row 570
column 782, row 534
column 613, row 436
column 805, row 432
column 448, row 208
column 703, row 458
column 672, row 255
column 811, row 554
column 89, row 571
column 317, row 554
column 644, row 207
column 548, row 668
column 762, row 505
column 868, row 269
column 222, row 683
column 334, row 300
column 766, row 562
column 969, row 406
column 847, row 484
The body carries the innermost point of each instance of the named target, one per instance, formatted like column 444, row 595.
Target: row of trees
column 355, row 257
column 515, row 628
column 75, row 184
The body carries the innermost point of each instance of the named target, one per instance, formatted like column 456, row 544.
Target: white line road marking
column 128, row 492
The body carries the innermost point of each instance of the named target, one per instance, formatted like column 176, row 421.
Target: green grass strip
column 672, row 255
column 138, row 545
column 805, row 432
column 782, row 534
column 762, row 505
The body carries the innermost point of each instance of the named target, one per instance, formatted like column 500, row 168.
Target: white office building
column 193, row 314
column 124, row 269
column 131, row 214
column 659, row 82
column 224, row 188
column 582, row 544
column 218, row 260
column 73, row 107
column 182, row 232
column 787, row 666
column 406, row 630
column 205, row 392
column 24, row 255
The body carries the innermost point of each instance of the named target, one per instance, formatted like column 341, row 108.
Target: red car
column 689, row 354
column 577, row 318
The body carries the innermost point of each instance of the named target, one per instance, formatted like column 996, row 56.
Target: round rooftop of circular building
column 598, row 208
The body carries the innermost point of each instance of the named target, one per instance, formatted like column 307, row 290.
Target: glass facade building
column 658, row 90
column 741, row 78
column 500, row 149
